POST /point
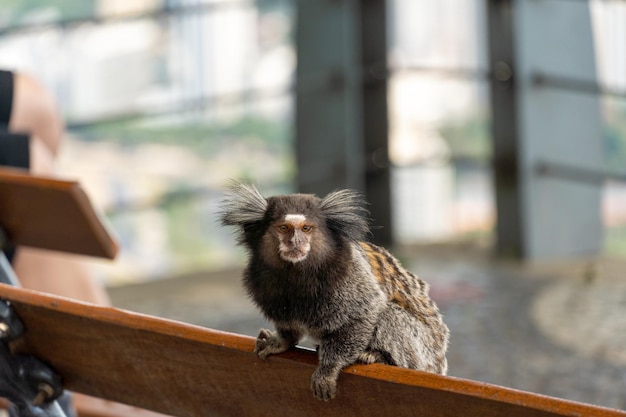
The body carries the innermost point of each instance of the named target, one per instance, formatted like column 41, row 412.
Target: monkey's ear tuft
column 242, row 206
column 346, row 214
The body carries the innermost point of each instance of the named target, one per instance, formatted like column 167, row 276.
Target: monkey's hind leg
column 402, row 339
column 374, row 356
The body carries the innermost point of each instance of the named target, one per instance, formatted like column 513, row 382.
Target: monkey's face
column 293, row 233
column 296, row 232
column 295, row 229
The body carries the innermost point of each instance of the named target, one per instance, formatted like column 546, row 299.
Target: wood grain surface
column 52, row 214
column 189, row 371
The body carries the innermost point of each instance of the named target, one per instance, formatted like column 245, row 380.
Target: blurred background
column 489, row 136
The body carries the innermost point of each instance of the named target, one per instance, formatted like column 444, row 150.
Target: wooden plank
column 51, row 214
column 189, row 371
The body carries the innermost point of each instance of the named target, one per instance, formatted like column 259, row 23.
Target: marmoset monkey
column 311, row 271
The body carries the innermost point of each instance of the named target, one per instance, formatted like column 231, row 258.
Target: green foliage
column 17, row 10
column 468, row 137
column 614, row 137
column 615, row 241
column 204, row 138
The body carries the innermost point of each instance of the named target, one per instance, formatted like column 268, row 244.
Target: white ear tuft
column 346, row 214
column 243, row 205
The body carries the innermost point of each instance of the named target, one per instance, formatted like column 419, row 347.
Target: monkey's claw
column 269, row 343
column 324, row 387
column 262, row 343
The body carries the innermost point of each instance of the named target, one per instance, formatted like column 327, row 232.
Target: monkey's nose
column 297, row 238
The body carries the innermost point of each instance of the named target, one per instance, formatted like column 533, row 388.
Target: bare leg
column 59, row 274
column 54, row 272
column 34, row 112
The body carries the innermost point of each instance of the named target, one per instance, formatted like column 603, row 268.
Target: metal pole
column 341, row 127
column 505, row 130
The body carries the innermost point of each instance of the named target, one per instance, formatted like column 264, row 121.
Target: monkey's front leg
column 337, row 351
column 271, row 343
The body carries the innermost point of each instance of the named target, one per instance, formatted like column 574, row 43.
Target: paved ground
column 557, row 329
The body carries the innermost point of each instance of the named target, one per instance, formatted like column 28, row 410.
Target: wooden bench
column 52, row 214
column 188, row 371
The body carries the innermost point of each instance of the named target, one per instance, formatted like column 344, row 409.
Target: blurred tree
column 468, row 137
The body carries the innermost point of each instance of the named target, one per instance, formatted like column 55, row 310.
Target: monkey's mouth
column 293, row 255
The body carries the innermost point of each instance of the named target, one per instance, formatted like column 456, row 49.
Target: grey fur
column 353, row 297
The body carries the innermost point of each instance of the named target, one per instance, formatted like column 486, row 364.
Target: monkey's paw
column 269, row 343
column 324, row 386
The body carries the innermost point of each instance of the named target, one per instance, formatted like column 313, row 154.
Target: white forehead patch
column 295, row 218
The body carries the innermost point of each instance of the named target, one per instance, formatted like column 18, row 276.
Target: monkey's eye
column 307, row 228
column 283, row 228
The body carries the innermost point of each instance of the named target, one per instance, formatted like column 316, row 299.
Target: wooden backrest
column 51, row 214
column 189, row 371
